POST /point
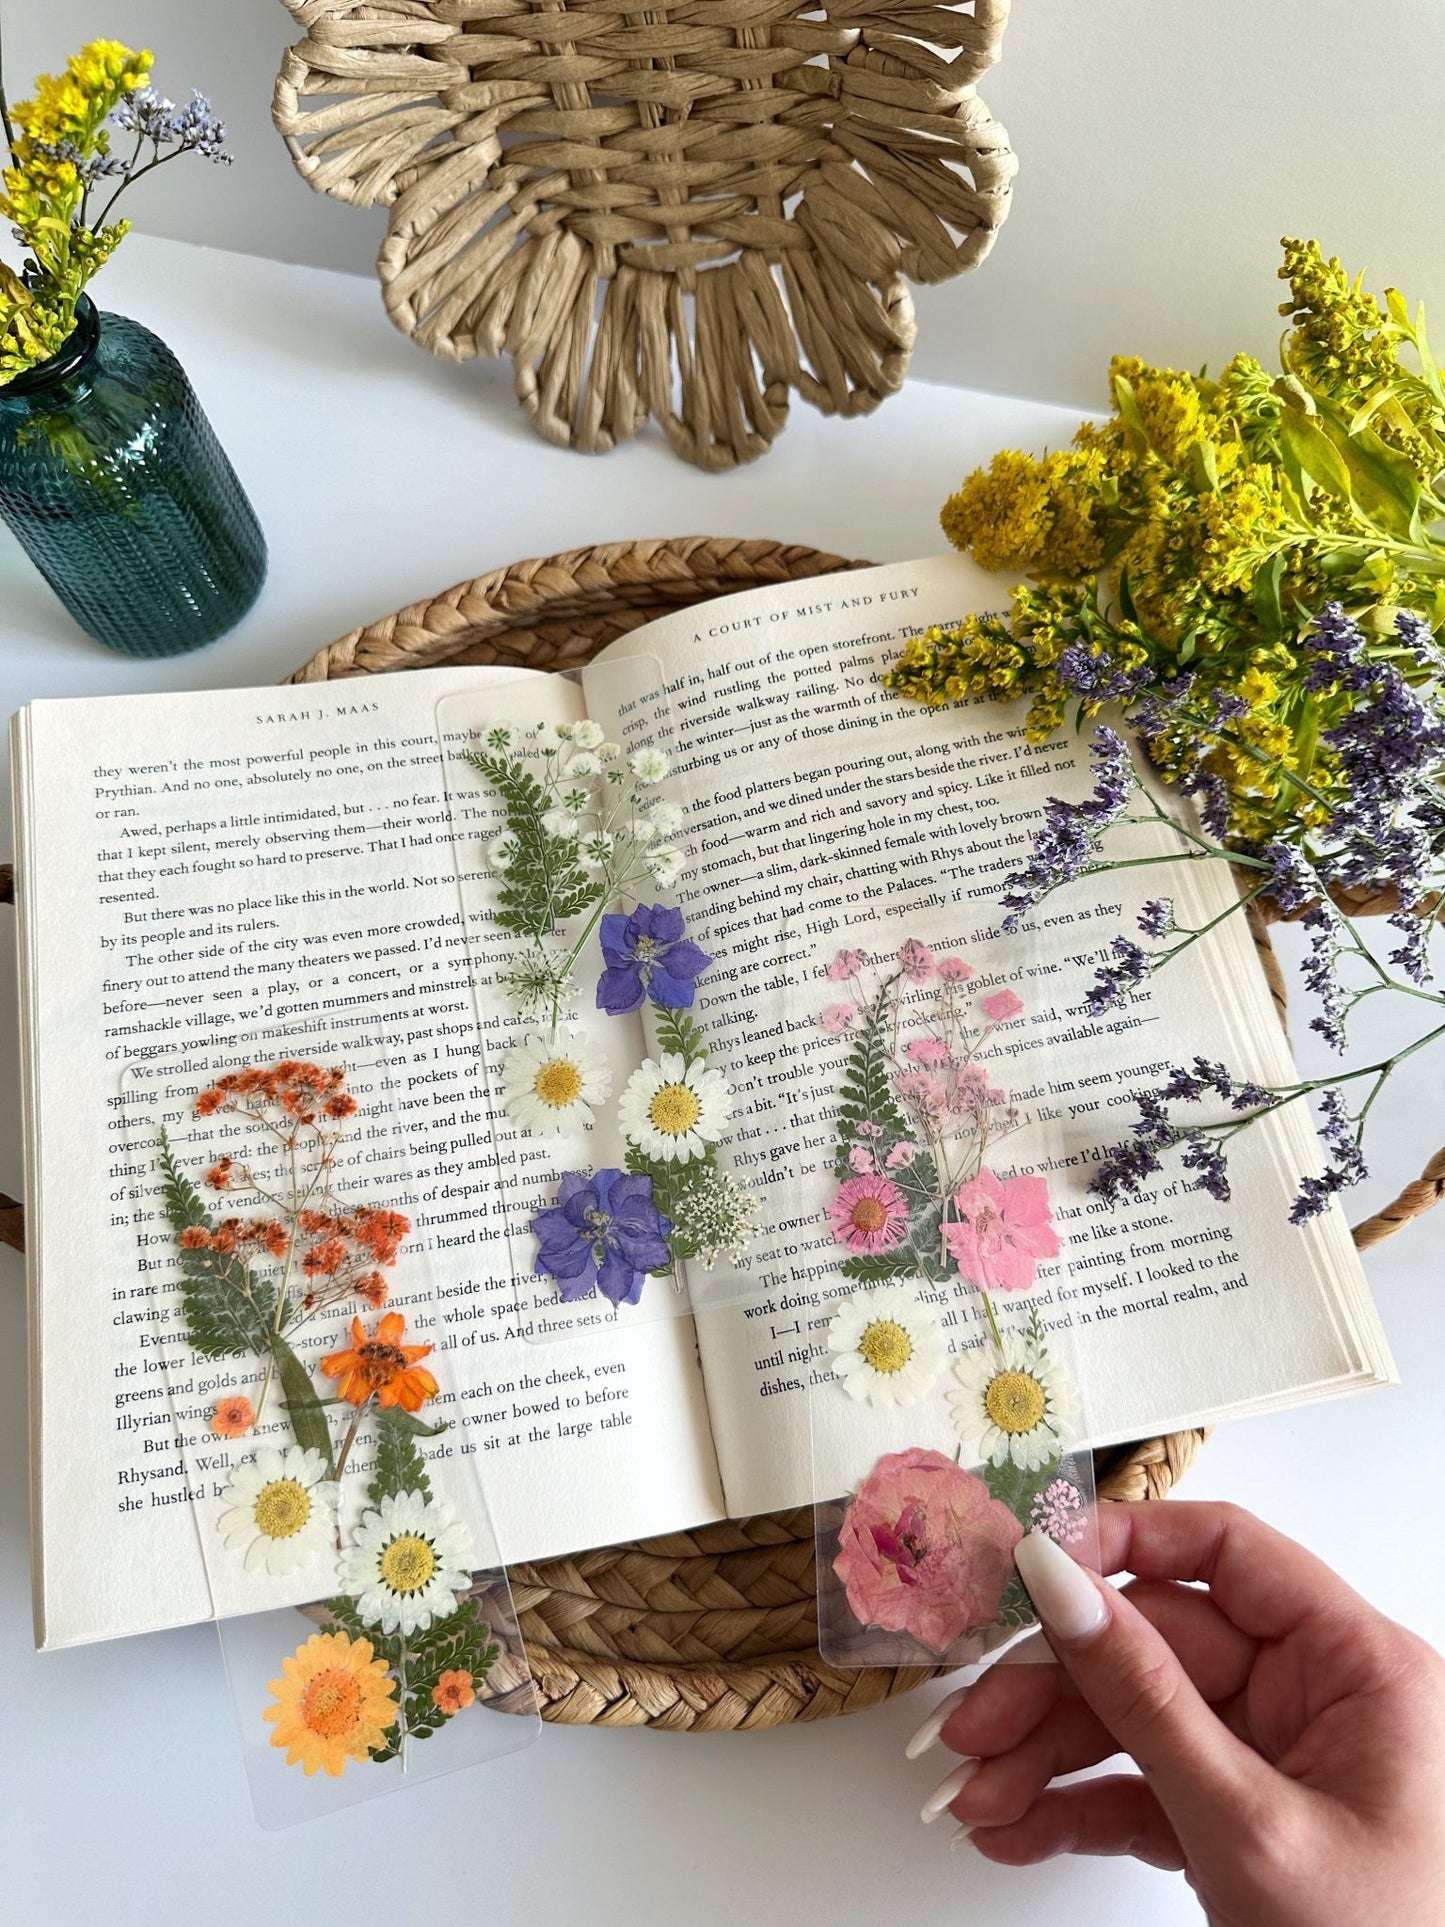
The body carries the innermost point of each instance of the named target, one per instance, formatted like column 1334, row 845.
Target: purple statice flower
column 192, row 129
column 648, row 959
column 1337, row 652
column 1319, row 970
column 1157, row 714
column 1070, row 836
column 603, row 1233
column 1292, row 884
column 1114, row 981
column 1345, row 1165
column 1156, row 918
column 1413, row 954
column 1124, row 1170
column 1202, row 1155
column 1093, row 675
column 1122, row 1174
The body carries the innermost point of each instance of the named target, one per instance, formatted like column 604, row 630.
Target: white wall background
column 1165, row 147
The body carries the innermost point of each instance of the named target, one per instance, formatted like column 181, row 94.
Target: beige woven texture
column 716, row 1629
column 688, row 212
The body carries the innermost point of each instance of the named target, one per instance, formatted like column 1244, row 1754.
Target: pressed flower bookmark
column 361, row 1600
column 945, row 1416
column 621, row 1200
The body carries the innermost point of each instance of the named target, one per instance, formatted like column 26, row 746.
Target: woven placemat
column 715, row 1629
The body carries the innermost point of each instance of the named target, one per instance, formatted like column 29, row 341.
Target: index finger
column 1264, row 1582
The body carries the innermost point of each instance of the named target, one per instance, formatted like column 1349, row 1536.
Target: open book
column 195, row 865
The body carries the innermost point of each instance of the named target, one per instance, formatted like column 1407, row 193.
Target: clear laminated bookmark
column 947, row 1408
column 318, row 1439
column 614, row 1127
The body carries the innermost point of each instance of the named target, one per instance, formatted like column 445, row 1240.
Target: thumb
column 1204, row 1778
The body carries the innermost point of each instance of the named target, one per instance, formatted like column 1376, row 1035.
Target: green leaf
column 1016, row 1609
column 1267, row 605
column 1204, row 465
column 409, row 1422
column 303, row 1407
column 867, row 1096
column 1128, row 406
column 400, row 1467
column 228, row 1313
column 882, row 1265
column 1016, row 1487
column 545, row 885
column 1314, row 453
column 679, row 1033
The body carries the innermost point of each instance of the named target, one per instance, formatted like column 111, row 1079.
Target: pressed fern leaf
column 400, row 1467
column 227, row 1312
column 544, row 885
column 867, row 1095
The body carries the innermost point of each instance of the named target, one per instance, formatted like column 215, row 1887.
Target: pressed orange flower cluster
column 235, row 1234
column 299, row 1090
column 379, row 1366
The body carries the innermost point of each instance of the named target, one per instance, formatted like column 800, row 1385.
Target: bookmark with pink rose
column 946, row 1413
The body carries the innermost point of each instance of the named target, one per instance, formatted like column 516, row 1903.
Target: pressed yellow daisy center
column 408, row 1564
column 331, row 1702
column 674, row 1109
column 282, row 1508
column 559, row 1083
column 1015, row 1401
column 886, row 1346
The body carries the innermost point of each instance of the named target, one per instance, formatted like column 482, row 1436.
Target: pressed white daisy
column 665, row 864
column 280, row 1508
column 649, row 765
column 587, row 735
column 407, row 1561
column 584, row 763
column 560, row 823
column 502, row 850
column 1014, row 1403
column 673, row 1110
column 595, row 850
column 887, row 1348
column 665, row 817
column 553, row 1086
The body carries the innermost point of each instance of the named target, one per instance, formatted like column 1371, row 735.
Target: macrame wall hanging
column 686, row 212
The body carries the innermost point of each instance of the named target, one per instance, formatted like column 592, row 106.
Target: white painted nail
column 1067, row 1599
column 947, row 1791
column 962, row 1837
column 927, row 1734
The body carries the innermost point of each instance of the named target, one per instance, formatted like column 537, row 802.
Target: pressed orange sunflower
column 381, row 1366
column 333, row 1703
column 453, row 1691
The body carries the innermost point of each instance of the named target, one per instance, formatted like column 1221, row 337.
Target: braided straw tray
column 714, row 1629
column 688, row 211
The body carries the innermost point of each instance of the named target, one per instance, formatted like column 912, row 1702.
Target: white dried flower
column 502, row 850
column 665, row 864
column 561, row 824
column 648, row 765
column 587, row 735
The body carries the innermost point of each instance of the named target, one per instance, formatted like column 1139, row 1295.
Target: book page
column 818, row 800
column 235, row 862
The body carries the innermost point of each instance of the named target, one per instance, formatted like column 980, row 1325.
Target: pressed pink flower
column 861, row 1159
column 868, row 1129
column 924, row 1550
column 1002, row 1005
column 869, row 1214
column 928, row 1050
column 917, row 961
column 846, row 964
column 925, row 1093
column 1004, row 1227
column 837, row 1018
column 953, row 970
column 900, row 1157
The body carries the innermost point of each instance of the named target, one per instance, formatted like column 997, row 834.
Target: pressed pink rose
column 837, row 1018
column 1004, row 1227
column 860, row 1159
column 869, row 1214
column 953, row 970
column 924, row 1550
column 917, row 961
column 1002, row 1005
column 846, row 964
column 900, row 1157
column 928, row 1050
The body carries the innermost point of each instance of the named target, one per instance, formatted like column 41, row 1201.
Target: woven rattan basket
column 714, row 1629
column 689, row 211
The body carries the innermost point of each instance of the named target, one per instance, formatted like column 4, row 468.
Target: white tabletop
column 381, row 476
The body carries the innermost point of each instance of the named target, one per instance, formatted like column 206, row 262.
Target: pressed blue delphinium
column 649, row 958
column 604, row 1233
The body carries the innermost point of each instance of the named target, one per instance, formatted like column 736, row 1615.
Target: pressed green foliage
column 227, row 1313
column 400, row 1467
column 544, row 885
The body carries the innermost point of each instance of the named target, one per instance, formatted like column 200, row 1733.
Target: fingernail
column 947, row 1791
column 962, row 1837
column 1067, row 1600
column 927, row 1734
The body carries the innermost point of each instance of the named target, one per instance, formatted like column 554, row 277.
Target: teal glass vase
column 115, row 485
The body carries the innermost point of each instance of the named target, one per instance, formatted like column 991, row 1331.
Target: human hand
column 1291, row 1739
